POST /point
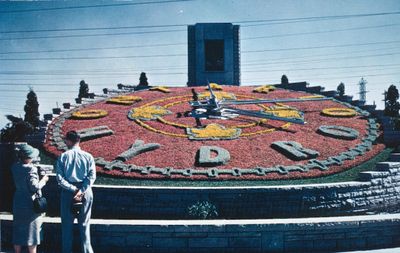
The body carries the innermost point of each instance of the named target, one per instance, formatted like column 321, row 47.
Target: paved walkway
column 393, row 250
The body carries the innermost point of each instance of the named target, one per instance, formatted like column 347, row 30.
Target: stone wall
column 391, row 136
column 376, row 190
column 285, row 235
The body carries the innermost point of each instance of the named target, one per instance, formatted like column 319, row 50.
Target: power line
column 376, row 67
column 113, row 75
column 58, row 71
column 359, row 76
column 92, row 57
column 95, row 6
column 93, row 48
column 318, row 32
column 333, row 78
column 152, row 56
column 72, row 84
column 92, row 35
column 176, row 44
column 323, row 59
column 183, row 30
column 384, row 66
column 342, row 73
column 319, row 47
column 318, row 55
column 261, row 21
column 322, row 17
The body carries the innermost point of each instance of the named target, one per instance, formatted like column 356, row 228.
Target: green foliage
column 83, row 90
column 32, row 109
column 284, row 79
column 392, row 106
column 202, row 210
column 15, row 130
column 396, row 124
column 341, row 89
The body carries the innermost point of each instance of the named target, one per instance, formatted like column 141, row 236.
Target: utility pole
column 363, row 90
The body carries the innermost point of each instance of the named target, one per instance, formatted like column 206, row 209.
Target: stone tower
column 213, row 54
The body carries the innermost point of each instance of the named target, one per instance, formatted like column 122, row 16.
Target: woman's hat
column 27, row 151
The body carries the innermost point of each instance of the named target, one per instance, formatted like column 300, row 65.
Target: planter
column 56, row 110
column 67, row 105
column 48, row 116
column 78, row 100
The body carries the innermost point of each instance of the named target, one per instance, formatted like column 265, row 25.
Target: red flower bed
column 246, row 152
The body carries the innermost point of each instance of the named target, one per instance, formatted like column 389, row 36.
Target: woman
column 27, row 223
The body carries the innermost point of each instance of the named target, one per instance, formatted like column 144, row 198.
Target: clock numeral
column 294, row 150
column 136, row 149
column 94, row 132
column 206, row 159
column 339, row 132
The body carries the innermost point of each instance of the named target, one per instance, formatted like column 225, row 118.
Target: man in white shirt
column 76, row 173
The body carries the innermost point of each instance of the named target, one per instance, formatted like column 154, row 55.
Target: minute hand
column 264, row 115
column 261, row 101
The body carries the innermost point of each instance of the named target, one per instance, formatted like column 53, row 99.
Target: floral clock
column 261, row 133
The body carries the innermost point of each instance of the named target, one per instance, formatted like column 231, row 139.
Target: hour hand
column 264, row 115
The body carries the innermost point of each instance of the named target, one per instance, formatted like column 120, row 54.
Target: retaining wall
column 376, row 190
column 284, row 235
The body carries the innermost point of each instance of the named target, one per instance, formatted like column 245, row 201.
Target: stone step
column 387, row 166
column 315, row 89
column 345, row 98
column 329, row 93
column 395, row 157
column 297, row 86
column 369, row 108
column 357, row 103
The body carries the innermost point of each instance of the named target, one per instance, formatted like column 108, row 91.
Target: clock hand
column 264, row 115
column 222, row 103
column 261, row 101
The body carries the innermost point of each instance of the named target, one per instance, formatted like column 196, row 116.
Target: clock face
column 157, row 134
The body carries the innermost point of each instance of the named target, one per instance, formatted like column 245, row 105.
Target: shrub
column 203, row 210
column 284, row 79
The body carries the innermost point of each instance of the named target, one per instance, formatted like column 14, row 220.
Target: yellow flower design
column 313, row 96
column 161, row 88
column 213, row 132
column 219, row 94
column 339, row 112
column 148, row 112
column 89, row 114
column 124, row 100
column 283, row 111
column 215, row 86
column 264, row 89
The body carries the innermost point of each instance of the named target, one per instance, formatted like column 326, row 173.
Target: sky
column 51, row 46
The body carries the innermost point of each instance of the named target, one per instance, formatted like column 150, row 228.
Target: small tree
column 83, row 90
column 143, row 79
column 15, row 130
column 284, row 79
column 32, row 109
column 341, row 89
column 392, row 106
